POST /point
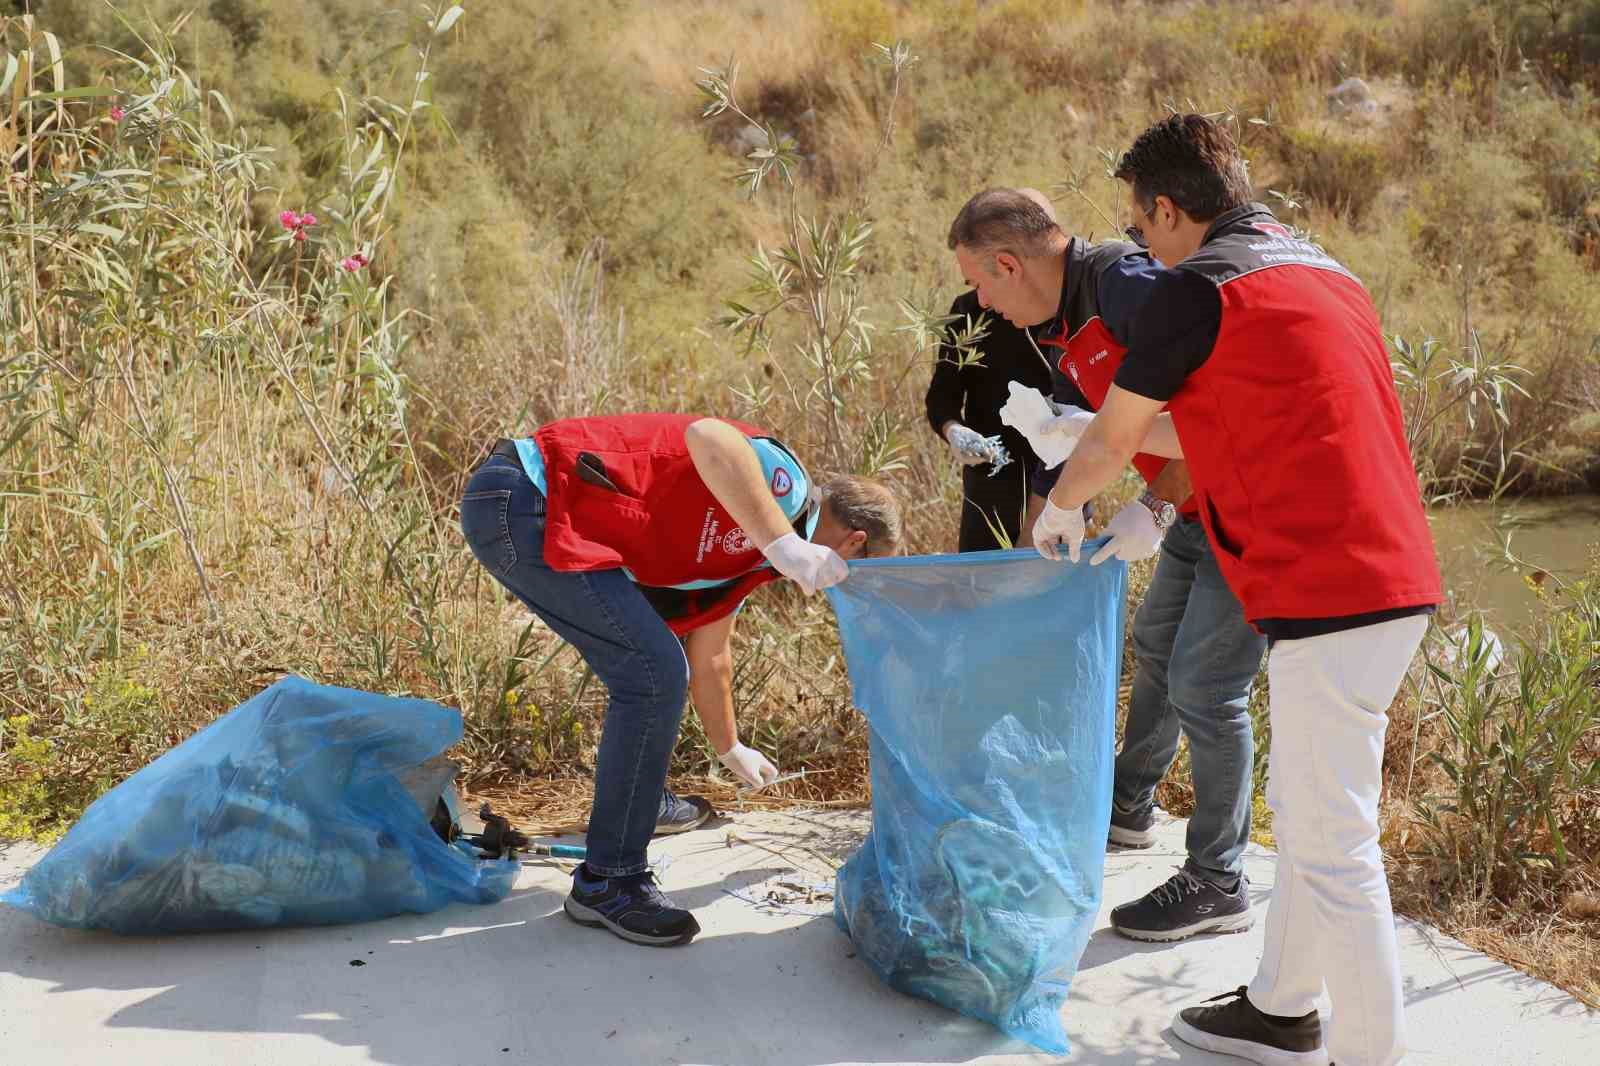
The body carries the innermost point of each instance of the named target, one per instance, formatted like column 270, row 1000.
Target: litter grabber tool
column 558, row 851
column 502, row 840
column 499, row 838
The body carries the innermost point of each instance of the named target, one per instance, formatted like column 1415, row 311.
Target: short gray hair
column 1005, row 220
column 868, row 505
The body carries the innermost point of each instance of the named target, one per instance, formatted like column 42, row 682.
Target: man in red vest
column 1195, row 655
column 1268, row 358
column 636, row 538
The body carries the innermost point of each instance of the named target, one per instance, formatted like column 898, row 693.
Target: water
column 1558, row 535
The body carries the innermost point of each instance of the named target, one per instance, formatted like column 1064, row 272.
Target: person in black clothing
column 969, row 397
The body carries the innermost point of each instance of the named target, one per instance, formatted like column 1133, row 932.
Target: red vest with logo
column 1090, row 357
column 1294, row 436
column 623, row 492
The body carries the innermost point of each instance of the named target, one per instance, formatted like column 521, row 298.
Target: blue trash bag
column 989, row 681
column 285, row 811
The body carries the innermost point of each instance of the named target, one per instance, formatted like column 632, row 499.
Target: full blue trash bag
column 285, row 811
column 989, row 681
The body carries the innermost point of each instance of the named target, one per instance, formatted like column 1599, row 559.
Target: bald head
column 1042, row 200
column 1019, row 221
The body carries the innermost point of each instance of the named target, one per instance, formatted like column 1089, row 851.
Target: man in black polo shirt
column 1195, row 655
column 964, row 400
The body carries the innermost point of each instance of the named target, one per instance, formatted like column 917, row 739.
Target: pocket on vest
column 1220, row 541
column 604, row 515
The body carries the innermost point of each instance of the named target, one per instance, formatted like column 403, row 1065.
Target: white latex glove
column 1134, row 535
column 811, row 566
column 749, row 765
column 1068, row 421
column 1055, row 527
column 1026, row 411
column 967, row 443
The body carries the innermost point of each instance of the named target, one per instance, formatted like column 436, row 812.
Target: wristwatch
column 1164, row 513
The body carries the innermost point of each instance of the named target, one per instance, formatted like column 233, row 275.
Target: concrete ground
column 769, row 981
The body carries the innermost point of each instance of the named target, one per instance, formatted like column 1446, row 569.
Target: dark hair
column 1192, row 161
column 1004, row 220
column 868, row 505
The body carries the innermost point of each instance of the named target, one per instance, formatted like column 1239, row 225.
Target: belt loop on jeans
column 502, row 447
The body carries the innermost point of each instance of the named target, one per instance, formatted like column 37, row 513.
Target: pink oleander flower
column 117, row 114
column 297, row 223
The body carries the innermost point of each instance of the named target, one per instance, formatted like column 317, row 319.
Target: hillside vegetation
column 231, row 437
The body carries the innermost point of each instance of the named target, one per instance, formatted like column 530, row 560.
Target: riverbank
column 1493, row 555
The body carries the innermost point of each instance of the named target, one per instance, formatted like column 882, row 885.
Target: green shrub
column 1522, row 748
column 1341, row 171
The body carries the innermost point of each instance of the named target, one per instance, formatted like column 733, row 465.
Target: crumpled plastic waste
column 1026, row 411
column 993, row 451
column 291, row 809
column 989, row 685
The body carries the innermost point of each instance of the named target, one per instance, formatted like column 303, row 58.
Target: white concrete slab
column 772, row 984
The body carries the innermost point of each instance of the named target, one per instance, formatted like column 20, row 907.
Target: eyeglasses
column 805, row 521
column 1135, row 232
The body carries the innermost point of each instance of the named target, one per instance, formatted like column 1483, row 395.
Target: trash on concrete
column 291, row 809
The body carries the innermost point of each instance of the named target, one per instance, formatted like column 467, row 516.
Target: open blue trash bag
column 285, row 811
column 989, row 681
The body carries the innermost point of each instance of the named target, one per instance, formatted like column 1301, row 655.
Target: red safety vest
column 1294, row 434
column 623, row 492
column 1090, row 357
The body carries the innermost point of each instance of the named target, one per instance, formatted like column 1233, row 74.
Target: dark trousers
column 1196, row 659
column 620, row 636
column 997, row 501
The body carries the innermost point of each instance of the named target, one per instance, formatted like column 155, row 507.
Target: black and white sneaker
column 631, row 907
column 1132, row 829
column 1238, row 1028
column 679, row 814
column 1183, row 906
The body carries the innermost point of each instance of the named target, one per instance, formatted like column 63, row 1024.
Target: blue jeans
column 1196, row 659
column 620, row 636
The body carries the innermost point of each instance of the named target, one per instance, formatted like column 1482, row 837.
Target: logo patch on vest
column 781, row 482
column 1275, row 229
column 1072, row 368
column 708, row 536
column 736, row 543
column 1097, row 356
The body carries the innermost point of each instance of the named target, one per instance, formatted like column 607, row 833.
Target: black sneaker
column 1183, row 906
column 631, row 907
column 679, row 814
column 1132, row 829
column 1238, row 1028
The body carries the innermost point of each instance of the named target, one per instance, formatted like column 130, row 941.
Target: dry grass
column 272, row 381
column 1555, row 938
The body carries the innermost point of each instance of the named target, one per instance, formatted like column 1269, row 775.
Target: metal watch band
column 1163, row 512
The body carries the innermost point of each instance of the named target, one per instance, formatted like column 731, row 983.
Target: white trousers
column 1330, row 920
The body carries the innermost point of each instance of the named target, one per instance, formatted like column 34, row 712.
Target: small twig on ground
column 733, row 838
